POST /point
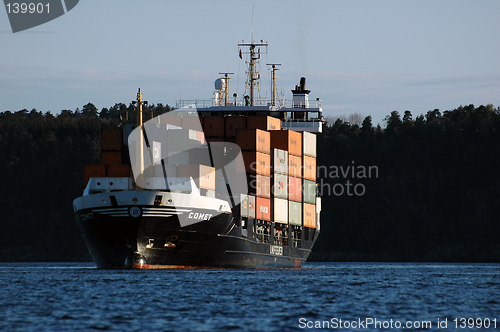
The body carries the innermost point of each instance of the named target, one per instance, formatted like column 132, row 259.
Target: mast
column 139, row 102
column 273, row 81
column 226, row 86
column 253, row 74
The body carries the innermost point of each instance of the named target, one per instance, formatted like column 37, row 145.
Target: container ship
column 227, row 182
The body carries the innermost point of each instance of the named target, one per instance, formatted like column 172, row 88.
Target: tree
column 89, row 111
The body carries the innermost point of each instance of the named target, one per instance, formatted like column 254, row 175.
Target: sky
column 367, row 57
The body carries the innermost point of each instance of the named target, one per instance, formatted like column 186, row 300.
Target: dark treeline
column 41, row 172
column 436, row 196
column 423, row 189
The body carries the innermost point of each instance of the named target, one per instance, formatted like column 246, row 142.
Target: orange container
column 111, row 140
column 93, row 171
column 233, row 123
column 287, row 140
column 254, row 140
column 213, row 126
column 295, row 189
column 309, row 168
column 111, row 158
column 256, row 163
column 263, row 208
column 203, row 176
column 309, row 215
column 263, row 123
column 295, row 166
column 170, row 119
column 118, row 171
column 192, row 122
column 259, row 185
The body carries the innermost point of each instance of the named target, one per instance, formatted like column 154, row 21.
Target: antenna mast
column 273, row 82
column 226, row 86
column 253, row 74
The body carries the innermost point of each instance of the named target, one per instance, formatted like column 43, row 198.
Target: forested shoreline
column 433, row 193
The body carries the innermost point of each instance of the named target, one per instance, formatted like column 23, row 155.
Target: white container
column 280, row 186
column 280, row 161
column 251, row 206
column 309, row 144
column 244, row 205
column 280, row 207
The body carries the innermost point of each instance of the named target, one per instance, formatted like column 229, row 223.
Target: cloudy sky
column 368, row 57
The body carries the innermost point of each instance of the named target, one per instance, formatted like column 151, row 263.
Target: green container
column 295, row 213
column 309, row 191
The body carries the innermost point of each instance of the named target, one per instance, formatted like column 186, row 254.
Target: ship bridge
column 298, row 114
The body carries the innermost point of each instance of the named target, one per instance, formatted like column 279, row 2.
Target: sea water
column 331, row 296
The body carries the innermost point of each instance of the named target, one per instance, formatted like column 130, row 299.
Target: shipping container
column 200, row 136
column 244, row 205
column 263, row 208
column 280, row 210
column 93, row 171
column 309, row 211
column 294, row 166
column 233, row 123
column 309, row 168
column 263, row 123
column 251, row 206
column 287, row 140
column 259, row 185
column 181, row 140
column 280, row 186
column 309, row 144
column 129, row 127
column 172, row 120
column 309, row 191
column 118, row 171
column 295, row 213
column 193, row 122
column 256, row 163
column 203, row 176
column 111, row 139
column 279, row 161
column 213, row 126
column 253, row 140
column 111, row 157
column 295, row 189
column 247, row 206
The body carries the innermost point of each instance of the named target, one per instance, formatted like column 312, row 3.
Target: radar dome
column 220, row 84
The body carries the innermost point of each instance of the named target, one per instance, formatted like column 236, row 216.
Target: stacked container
column 309, row 180
column 291, row 142
column 255, row 146
column 111, row 157
column 280, row 185
column 264, row 123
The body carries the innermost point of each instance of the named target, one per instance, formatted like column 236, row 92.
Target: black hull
column 160, row 242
